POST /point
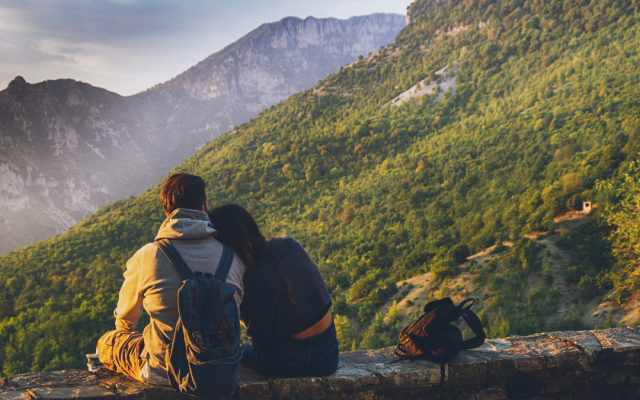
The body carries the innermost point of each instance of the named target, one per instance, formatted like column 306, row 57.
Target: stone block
column 524, row 358
column 53, row 378
column 620, row 347
column 429, row 393
column 68, row 393
column 131, row 389
column 574, row 382
column 586, row 341
column 468, row 371
column 629, row 393
column 490, row 394
column 372, row 394
column 408, row 375
column 495, row 345
column 127, row 391
column 618, row 378
column 499, row 366
column 299, row 388
column 619, row 339
column 154, row 392
column 110, row 380
column 14, row 395
column 252, row 385
column 352, row 378
column 557, row 354
column 383, row 368
column 366, row 357
column 523, row 387
column 634, row 328
column 606, row 395
column 518, row 369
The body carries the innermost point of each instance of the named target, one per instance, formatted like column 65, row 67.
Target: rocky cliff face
column 67, row 148
column 267, row 66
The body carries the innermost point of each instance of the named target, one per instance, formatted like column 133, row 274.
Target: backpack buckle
column 464, row 305
column 199, row 339
column 221, row 335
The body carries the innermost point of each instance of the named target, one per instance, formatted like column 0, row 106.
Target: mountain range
column 67, row 148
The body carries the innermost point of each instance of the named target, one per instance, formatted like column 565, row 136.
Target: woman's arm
column 258, row 308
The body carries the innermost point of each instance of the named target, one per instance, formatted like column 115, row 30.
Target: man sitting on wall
column 150, row 281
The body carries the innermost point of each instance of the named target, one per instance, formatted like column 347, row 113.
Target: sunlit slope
column 546, row 102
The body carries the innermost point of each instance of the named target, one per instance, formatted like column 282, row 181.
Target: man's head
column 184, row 190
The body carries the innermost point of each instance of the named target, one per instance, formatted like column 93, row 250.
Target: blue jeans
column 314, row 356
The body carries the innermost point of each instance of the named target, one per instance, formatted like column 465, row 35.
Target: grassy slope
column 546, row 104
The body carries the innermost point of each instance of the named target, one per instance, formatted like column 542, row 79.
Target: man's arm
column 131, row 299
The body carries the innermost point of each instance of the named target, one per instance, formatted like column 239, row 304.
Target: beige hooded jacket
column 150, row 280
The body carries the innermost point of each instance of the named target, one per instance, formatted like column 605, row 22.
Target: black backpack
column 433, row 337
column 204, row 357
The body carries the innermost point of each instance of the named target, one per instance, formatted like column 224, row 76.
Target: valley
column 67, row 148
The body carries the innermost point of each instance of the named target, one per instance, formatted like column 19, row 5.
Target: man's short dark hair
column 183, row 190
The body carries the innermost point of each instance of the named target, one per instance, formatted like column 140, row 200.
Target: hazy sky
column 127, row 46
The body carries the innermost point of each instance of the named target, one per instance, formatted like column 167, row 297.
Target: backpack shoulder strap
column 474, row 323
column 221, row 276
column 174, row 258
column 402, row 353
column 225, row 264
column 476, row 326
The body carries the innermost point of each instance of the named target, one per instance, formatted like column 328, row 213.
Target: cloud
column 105, row 21
column 129, row 45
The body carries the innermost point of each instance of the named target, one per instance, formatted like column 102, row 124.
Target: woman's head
column 238, row 230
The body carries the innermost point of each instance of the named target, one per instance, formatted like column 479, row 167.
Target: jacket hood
column 186, row 224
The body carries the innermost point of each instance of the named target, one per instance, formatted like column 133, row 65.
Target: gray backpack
column 204, row 357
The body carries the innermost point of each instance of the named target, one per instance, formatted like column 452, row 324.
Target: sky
column 127, row 46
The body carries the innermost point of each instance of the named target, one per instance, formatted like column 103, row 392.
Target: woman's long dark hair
column 237, row 229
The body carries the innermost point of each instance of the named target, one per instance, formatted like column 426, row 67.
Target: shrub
column 459, row 253
column 345, row 332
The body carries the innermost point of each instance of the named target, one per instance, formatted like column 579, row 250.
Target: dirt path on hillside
column 592, row 312
column 558, row 261
column 415, row 292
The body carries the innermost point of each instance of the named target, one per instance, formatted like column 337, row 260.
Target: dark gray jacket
column 267, row 311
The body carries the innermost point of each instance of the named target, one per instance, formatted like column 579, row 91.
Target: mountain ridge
column 326, row 34
column 91, row 141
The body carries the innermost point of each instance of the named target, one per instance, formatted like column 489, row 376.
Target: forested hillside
column 546, row 103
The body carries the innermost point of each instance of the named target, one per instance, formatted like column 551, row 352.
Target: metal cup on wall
column 94, row 361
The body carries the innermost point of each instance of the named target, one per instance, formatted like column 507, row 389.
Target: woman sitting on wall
column 286, row 302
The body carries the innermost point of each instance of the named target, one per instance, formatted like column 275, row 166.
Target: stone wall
column 599, row 364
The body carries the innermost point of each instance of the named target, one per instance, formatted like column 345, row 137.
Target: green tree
column 624, row 217
column 345, row 332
